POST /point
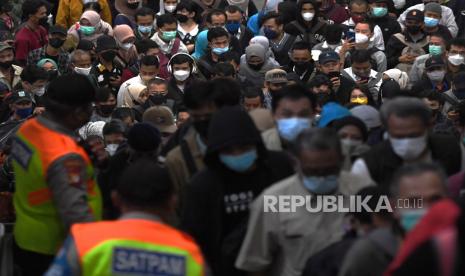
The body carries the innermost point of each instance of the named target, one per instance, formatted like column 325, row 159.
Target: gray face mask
column 436, row 76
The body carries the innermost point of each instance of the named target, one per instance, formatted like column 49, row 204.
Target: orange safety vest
column 135, row 247
column 38, row 226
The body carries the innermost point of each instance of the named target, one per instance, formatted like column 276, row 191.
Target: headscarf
column 255, row 50
column 162, row 7
column 92, row 129
column 399, row 76
column 101, row 27
column 41, row 62
column 122, row 32
column 256, row 77
column 133, row 94
column 263, row 40
column 93, row 17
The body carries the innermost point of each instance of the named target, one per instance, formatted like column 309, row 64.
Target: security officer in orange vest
column 55, row 181
column 139, row 243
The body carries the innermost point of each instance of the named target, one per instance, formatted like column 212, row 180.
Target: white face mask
column 82, row 71
column 409, row 148
column 89, row 1
column 170, row 8
column 349, row 145
column 39, row 92
column 111, row 149
column 308, row 16
column 399, row 4
column 126, row 46
column 456, row 59
column 181, row 75
column 437, row 75
column 361, row 38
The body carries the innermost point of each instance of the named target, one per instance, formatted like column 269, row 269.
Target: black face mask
column 302, row 66
column 202, row 127
column 56, row 42
column 52, row 74
column 157, row 99
column 182, row 18
column 255, row 67
column 6, row 64
column 414, row 29
column 132, row 6
column 7, row 7
column 108, row 56
column 106, row 109
column 43, row 22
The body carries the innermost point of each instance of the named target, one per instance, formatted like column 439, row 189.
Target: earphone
column 194, row 64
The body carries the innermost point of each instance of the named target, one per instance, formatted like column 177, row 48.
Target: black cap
column 57, row 29
column 416, row 15
column 20, row 96
column 144, row 137
column 105, row 42
column 327, row 56
column 72, row 90
column 434, row 61
column 459, row 80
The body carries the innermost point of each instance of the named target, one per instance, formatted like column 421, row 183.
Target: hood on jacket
column 231, row 126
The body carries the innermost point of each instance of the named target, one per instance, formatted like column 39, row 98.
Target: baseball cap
column 416, row 15
column 20, row 96
column 459, row 80
column 434, row 61
column 328, row 56
column 276, row 76
column 57, row 29
column 161, row 117
column 4, row 46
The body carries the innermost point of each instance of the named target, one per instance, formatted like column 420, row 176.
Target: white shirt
column 374, row 80
column 447, row 18
column 167, row 47
column 124, row 89
column 183, row 33
column 378, row 40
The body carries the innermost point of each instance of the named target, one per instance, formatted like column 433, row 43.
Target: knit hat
column 144, row 137
column 368, row 114
column 262, row 40
column 105, row 42
column 123, row 32
column 92, row 129
column 255, row 50
column 433, row 7
column 351, row 121
column 161, row 117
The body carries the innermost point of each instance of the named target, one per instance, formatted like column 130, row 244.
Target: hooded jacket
column 215, row 209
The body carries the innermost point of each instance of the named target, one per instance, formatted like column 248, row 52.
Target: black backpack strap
column 450, row 100
column 186, row 153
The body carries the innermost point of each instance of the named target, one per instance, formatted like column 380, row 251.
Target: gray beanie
column 433, row 7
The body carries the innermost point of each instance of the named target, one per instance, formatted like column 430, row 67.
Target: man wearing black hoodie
column 238, row 169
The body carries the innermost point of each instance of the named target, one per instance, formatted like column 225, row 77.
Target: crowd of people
column 141, row 137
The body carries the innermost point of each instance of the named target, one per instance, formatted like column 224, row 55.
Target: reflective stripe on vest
column 135, row 247
column 38, row 226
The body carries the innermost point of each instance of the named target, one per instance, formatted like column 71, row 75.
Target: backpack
column 410, row 48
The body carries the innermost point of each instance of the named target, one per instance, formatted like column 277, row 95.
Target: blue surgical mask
column 435, row 50
column 239, row 163
column 431, row 22
column 145, row 29
column 23, row 113
column 270, row 34
column 409, row 218
column 321, row 184
column 233, row 27
column 290, row 128
column 220, row 51
column 379, row 11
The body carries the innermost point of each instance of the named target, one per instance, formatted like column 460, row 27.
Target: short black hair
column 215, row 12
column 183, row 58
column 122, row 113
column 150, row 61
column 233, row 9
column 460, row 42
column 226, row 92
column 358, row 2
column 157, row 81
column 333, row 33
column 272, row 15
column 360, row 56
column 253, row 92
column 102, row 94
column 33, row 73
column 93, row 6
column 230, row 56
column 144, row 45
column 164, row 19
column 197, row 94
column 293, row 92
column 224, row 69
column 371, row 26
column 301, row 45
column 189, row 6
column 31, row 7
column 320, row 80
column 146, row 185
column 374, row 193
column 216, row 33
column 114, row 126
column 433, row 95
column 144, row 11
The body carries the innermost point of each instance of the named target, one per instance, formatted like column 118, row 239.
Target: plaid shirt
column 64, row 60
